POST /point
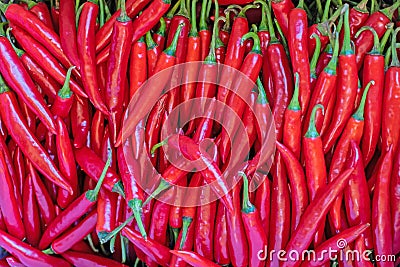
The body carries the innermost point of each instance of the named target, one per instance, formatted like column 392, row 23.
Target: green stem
column 91, row 244
column 186, row 221
column 319, row 7
column 182, row 9
column 2, row 24
column 331, row 67
column 171, row 50
column 175, row 232
column 386, row 36
column 158, row 145
column 362, row 6
column 294, row 103
column 389, row 11
column 18, row 51
column 3, row 86
column 77, row 3
column 263, row 24
column 163, row 26
column 346, row 49
column 208, row 10
column 78, row 14
column 171, row 13
column 359, row 115
column 211, row 59
column 124, row 246
column 388, row 54
column 149, row 41
column 92, row 195
column 315, row 56
column 136, row 206
column 312, row 129
column 284, row 42
column 242, row 12
column 203, row 21
column 112, row 244
column 30, row 3
column 106, row 10
column 326, row 11
column 193, row 20
column 101, row 13
column 273, row 39
column 3, row 7
column 395, row 58
column 227, row 25
column 187, row 7
column 123, row 17
column 256, row 46
column 262, row 96
column 377, row 47
column 65, row 91
column 247, row 207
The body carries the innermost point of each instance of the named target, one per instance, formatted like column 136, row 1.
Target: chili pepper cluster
column 328, row 72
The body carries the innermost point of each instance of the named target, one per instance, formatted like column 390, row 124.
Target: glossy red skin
column 298, row 48
column 158, row 252
column 137, row 71
column 205, row 39
column 93, row 166
column 18, row 79
column 49, row 86
column 348, row 235
column 75, row 234
column 45, row 60
column 182, row 47
column 159, row 224
column 232, row 2
column 28, row 255
column 103, row 35
column 29, row 22
column 365, row 40
column 17, row 184
column 279, row 227
column 43, row 13
column 67, row 30
column 281, row 11
column 356, row 195
column 234, row 56
column 18, row 161
column 175, row 212
column 62, row 106
column 159, row 39
column 323, row 90
column 262, row 203
column 381, row 215
column 45, row 203
column 194, row 259
column 313, row 29
column 237, row 241
column 28, row 143
column 298, row 184
column 66, row 159
column 373, row 70
column 151, row 58
column 395, row 201
column 85, row 259
column 345, row 98
column 8, row 203
column 187, row 246
column 220, row 54
column 314, row 215
column 249, row 119
column 31, row 213
column 328, row 113
column 391, row 101
column 282, row 82
column 87, row 54
column 323, row 61
column 220, row 237
column 97, row 132
column 107, row 212
column 292, row 131
column 80, row 121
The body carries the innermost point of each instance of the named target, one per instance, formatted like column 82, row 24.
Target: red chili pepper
column 314, row 214
column 262, row 202
column 75, row 211
column 84, row 259
column 159, row 224
column 298, row 47
column 67, row 165
column 378, row 22
column 80, row 121
column 193, row 258
column 358, row 16
column 292, row 122
column 18, row 79
column 28, row 255
column 97, row 132
column 8, row 203
column 68, row 31
column 159, row 35
column 87, row 53
column 324, row 59
column 279, row 225
column 28, row 143
column 93, row 166
column 44, row 59
column 117, row 68
column 138, row 72
column 334, row 244
column 391, row 95
column 256, row 236
column 281, row 10
column 221, row 253
column 152, row 54
column 73, row 235
column 45, row 203
column 41, row 10
column 356, row 195
column 158, row 253
column 395, row 200
column 347, row 89
column 175, row 212
column 27, row 21
column 381, row 216
column 17, row 183
column 353, row 131
column 64, row 99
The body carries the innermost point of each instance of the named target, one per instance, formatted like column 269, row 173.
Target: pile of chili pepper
column 324, row 74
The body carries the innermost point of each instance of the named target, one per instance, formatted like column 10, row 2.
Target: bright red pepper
column 84, row 259
column 281, row 10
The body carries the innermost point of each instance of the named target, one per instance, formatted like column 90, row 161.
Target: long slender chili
column 68, row 31
column 137, row 72
column 347, row 89
column 298, row 48
column 314, row 215
column 395, row 201
column 28, row 143
column 152, row 54
column 87, row 53
column 194, row 259
column 117, row 68
column 80, row 121
column 64, row 99
column 75, row 210
column 85, row 259
column 282, row 10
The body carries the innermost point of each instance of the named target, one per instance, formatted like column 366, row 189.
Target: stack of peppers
column 323, row 73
